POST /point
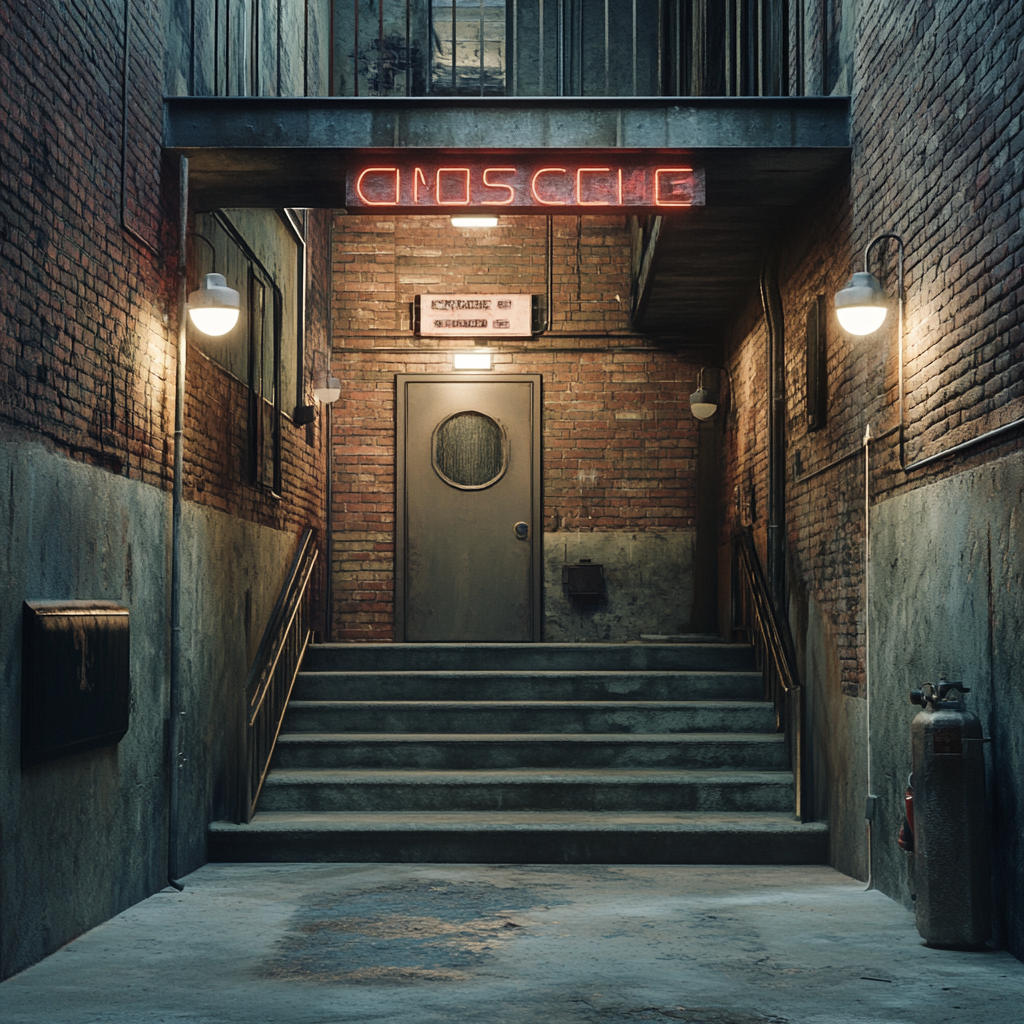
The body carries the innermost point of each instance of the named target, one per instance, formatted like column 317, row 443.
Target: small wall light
column 862, row 305
column 704, row 401
column 471, row 361
column 213, row 308
column 327, row 389
column 475, row 221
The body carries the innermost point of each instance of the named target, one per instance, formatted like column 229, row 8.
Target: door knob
column 521, row 530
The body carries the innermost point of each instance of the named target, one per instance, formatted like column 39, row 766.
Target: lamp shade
column 327, row 390
column 862, row 305
column 213, row 308
column 703, row 403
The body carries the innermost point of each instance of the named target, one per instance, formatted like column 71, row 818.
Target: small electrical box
column 75, row 677
column 585, row 579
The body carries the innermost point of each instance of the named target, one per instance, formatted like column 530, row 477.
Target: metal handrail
column 272, row 676
column 756, row 619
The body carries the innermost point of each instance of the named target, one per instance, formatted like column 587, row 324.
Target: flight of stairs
column 527, row 753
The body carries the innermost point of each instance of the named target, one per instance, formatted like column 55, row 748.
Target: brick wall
column 88, row 337
column 937, row 105
column 85, row 361
column 619, row 443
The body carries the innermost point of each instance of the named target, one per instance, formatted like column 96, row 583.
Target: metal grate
column 493, row 48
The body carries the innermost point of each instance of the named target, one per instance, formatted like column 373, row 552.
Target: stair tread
column 547, row 820
column 537, row 737
column 538, row 705
column 475, row 776
column 537, row 673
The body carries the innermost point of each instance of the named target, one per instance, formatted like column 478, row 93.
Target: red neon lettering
column 418, row 178
column 500, row 184
column 452, row 202
column 533, row 186
column 658, row 201
column 379, row 170
column 580, row 201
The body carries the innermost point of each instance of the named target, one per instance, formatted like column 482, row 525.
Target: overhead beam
column 295, row 151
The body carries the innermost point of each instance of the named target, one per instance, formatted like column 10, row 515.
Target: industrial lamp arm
column 900, row 303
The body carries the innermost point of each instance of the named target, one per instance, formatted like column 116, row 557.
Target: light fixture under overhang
column 862, row 305
column 213, row 308
column 327, row 390
column 471, row 361
column 703, row 403
column 474, row 221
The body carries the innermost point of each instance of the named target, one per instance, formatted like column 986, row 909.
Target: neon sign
column 450, row 183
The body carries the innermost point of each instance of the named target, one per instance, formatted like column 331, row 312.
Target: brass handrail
column 756, row 619
column 272, row 677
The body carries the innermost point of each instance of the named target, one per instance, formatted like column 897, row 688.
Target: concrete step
column 741, row 751
column 529, row 716
column 523, row 789
column 521, row 837
column 359, row 657
column 530, row 685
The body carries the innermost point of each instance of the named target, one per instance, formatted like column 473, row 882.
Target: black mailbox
column 75, row 677
column 586, row 579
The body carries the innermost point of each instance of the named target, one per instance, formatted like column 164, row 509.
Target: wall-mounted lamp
column 475, row 221
column 704, row 401
column 327, row 389
column 213, row 308
column 862, row 305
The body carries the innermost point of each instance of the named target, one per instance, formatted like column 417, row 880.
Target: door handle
column 521, row 530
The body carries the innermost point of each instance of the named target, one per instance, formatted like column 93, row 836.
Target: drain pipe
column 871, row 800
column 174, row 689
column 771, row 301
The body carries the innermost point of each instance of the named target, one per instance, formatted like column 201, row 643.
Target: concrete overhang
column 763, row 158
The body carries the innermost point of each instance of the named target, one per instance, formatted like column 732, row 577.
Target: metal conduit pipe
column 174, row 712
column 771, row 301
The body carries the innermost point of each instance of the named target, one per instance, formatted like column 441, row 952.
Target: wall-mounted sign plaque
column 475, row 316
column 455, row 183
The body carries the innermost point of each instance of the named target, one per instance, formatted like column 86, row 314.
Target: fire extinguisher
column 946, row 820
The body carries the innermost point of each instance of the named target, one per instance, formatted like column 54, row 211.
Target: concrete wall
column 85, row 836
column 942, row 167
column 947, row 561
column 648, row 585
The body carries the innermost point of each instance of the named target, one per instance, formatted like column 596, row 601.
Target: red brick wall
column 88, row 296
column 85, row 361
column 937, row 103
column 619, row 441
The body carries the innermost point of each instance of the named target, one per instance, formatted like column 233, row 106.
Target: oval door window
column 469, row 450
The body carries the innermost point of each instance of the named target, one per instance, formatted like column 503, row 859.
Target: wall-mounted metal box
column 75, row 677
column 586, row 579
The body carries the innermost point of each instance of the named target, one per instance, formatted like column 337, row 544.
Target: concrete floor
column 332, row 943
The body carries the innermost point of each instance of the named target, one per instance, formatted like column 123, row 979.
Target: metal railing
column 467, row 48
column 272, row 676
column 755, row 619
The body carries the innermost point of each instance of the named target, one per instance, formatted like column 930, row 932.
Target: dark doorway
column 468, row 557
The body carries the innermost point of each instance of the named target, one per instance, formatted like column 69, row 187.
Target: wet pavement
column 333, row 943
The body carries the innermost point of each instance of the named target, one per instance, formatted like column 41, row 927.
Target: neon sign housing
column 581, row 182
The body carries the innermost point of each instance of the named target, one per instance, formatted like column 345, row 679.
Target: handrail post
column 272, row 676
column 768, row 633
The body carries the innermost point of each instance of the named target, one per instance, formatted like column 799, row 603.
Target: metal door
column 468, row 508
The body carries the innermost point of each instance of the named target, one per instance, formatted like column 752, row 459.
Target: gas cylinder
column 950, row 833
